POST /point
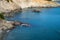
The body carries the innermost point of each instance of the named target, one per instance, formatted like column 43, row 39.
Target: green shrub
column 1, row 16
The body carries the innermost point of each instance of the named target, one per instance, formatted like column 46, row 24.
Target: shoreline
column 12, row 12
column 8, row 26
column 5, row 32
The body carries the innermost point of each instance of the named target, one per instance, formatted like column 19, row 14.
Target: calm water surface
column 44, row 25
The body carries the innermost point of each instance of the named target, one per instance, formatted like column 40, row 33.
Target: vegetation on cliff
column 9, row 0
column 2, row 16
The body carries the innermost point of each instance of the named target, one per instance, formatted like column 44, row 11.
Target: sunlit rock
column 16, row 4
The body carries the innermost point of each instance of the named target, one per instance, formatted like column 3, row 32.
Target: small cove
column 44, row 25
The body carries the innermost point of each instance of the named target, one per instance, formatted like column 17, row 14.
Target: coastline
column 10, row 12
column 8, row 7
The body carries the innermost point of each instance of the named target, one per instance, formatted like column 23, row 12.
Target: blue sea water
column 44, row 25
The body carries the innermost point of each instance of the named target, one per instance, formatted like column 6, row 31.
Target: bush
column 1, row 16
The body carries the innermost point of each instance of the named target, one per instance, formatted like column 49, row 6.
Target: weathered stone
column 16, row 4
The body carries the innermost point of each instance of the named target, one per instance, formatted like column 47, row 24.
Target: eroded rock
column 16, row 4
column 7, row 26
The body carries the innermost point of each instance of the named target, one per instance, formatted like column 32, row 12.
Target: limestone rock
column 16, row 4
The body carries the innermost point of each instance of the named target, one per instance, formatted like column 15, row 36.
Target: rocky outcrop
column 4, row 26
column 16, row 4
column 7, row 7
column 35, row 3
column 7, row 26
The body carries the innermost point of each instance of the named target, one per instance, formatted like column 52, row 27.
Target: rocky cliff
column 16, row 4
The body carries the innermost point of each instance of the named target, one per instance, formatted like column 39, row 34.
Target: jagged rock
column 4, row 25
column 37, row 11
column 7, row 26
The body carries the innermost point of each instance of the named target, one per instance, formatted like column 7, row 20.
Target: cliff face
column 8, row 6
column 34, row 3
column 5, row 6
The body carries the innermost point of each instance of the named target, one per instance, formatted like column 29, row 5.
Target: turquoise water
column 44, row 25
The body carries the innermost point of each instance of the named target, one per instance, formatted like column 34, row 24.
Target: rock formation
column 5, row 6
column 7, row 26
column 16, row 4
